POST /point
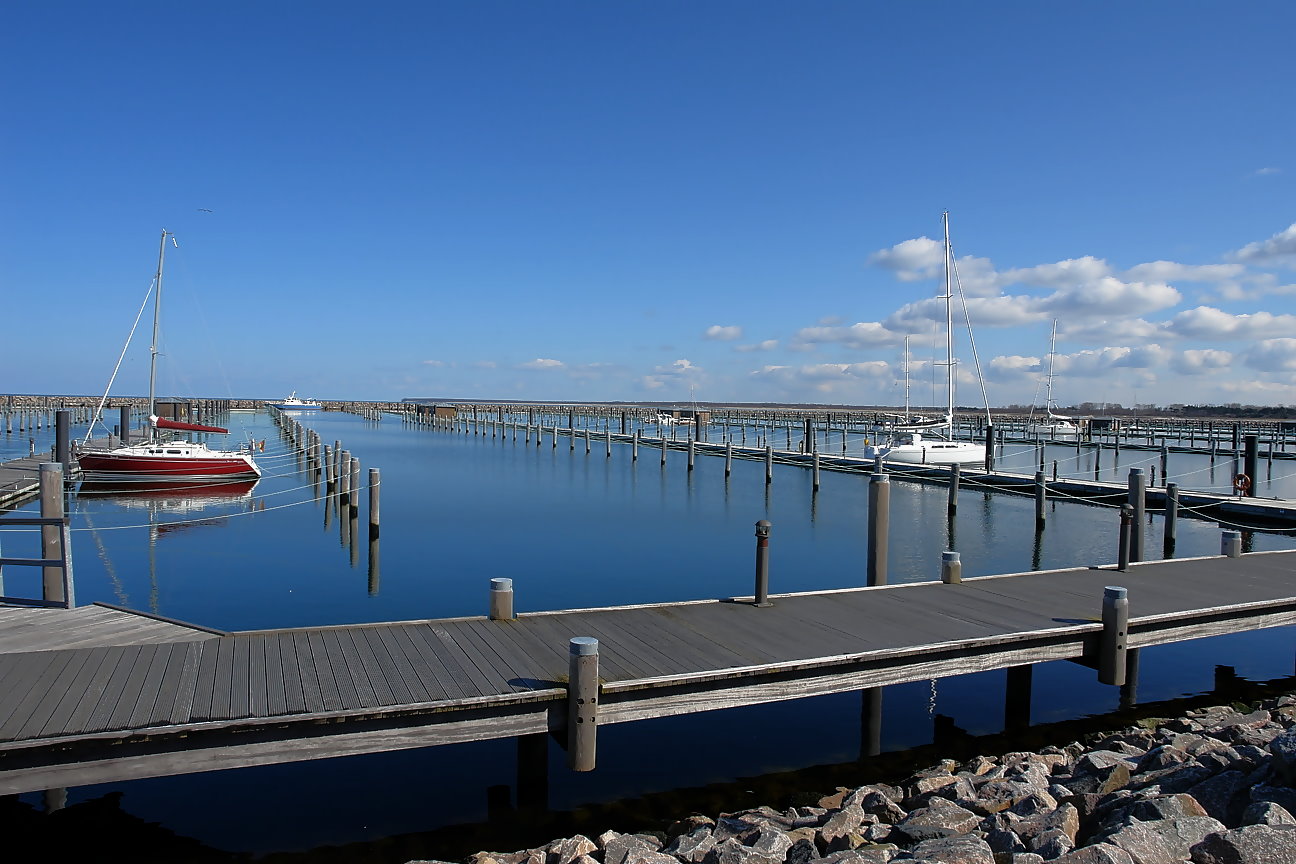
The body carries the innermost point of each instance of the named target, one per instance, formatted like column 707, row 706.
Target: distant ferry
column 292, row 403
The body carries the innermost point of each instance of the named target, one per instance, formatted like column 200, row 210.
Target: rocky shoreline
column 1215, row 786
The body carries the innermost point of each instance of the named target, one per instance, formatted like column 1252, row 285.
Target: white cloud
column 1199, row 361
column 1207, row 322
column 1012, row 368
column 825, row 378
column 1117, row 330
column 1110, row 297
column 435, row 364
column 862, row 335
column 1170, row 271
column 721, row 333
column 1097, row 362
column 1266, row 172
column 1277, row 247
column 1072, row 271
column 920, row 258
column 1273, row 355
column 541, row 363
column 767, row 345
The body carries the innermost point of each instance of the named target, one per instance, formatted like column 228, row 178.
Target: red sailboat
column 161, row 457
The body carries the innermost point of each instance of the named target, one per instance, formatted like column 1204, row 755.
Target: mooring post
column 607, row 442
column 501, row 599
column 375, row 481
column 879, row 527
column 692, row 451
column 762, row 564
column 1041, row 499
column 871, row 721
column 989, row 447
column 1137, row 501
column 582, row 702
column 1017, row 697
column 125, row 412
column 62, row 443
column 1123, row 548
column 634, row 446
column 1165, row 461
column 1171, row 517
column 1230, row 543
column 728, row 457
column 769, row 464
column 952, row 505
column 56, row 587
column 355, row 484
column 815, row 470
column 1251, row 463
column 951, row 568
column 344, row 479
column 1115, row 636
column 587, row 440
column 663, row 448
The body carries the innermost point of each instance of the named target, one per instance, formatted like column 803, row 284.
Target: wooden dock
column 93, row 712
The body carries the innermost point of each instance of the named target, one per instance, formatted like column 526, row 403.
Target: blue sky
column 639, row 201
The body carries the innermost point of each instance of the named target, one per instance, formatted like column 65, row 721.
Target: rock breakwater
column 1215, row 786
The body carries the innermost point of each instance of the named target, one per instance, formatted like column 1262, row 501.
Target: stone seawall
column 1216, row 786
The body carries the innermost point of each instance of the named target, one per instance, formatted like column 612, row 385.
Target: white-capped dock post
column 951, row 568
column 1138, row 501
column 501, row 599
column 728, row 457
column 762, row 563
column 879, row 527
column 56, row 582
column 1171, row 518
column 1231, row 544
column 634, row 446
column 582, row 702
column 1115, row 635
column 692, row 451
column 1041, row 500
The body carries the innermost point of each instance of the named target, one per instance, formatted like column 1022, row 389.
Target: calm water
column 576, row 530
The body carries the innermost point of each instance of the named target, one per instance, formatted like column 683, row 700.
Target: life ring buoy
column 1242, row 484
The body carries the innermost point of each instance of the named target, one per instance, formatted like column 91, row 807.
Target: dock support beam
column 582, row 703
column 1017, row 698
column 871, row 722
column 1115, row 635
column 56, row 585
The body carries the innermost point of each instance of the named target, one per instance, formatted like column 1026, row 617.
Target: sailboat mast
column 157, row 317
column 1048, row 387
column 949, row 327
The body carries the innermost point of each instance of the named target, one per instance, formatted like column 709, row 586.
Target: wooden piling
column 53, row 579
column 879, row 527
column 1115, row 635
column 951, row 568
column 501, row 599
column 762, row 563
column 1171, row 518
column 375, row 481
column 582, row 703
column 952, row 504
column 1138, row 503
column 1041, row 500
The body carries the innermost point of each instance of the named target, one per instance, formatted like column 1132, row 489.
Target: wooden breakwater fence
column 94, row 710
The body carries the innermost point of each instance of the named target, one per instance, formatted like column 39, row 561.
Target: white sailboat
column 1054, row 426
column 925, row 444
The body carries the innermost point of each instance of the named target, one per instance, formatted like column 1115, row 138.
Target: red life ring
column 1242, row 484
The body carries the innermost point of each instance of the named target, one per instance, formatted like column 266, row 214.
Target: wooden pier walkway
column 94, row 712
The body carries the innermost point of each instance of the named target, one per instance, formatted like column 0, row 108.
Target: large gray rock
column 732, row 851
column 1052, row 844
column 771, row 841
column 1223, row 796
column 618, row 847
column 1283, row 748
column 1165, row 807
column 1164, row 842
column 844, row 822
column 1159, row 758
column 1099, row 853
column 1065, row 819
column 940, row 814
column 1266, row 813
column 567, row 850
column 1252, row 844
column 692, row 848
column 953, row 850
column 875, row 801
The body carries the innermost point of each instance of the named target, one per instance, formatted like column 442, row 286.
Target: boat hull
column 944, row 453
column 154, row 463
column 295, row 406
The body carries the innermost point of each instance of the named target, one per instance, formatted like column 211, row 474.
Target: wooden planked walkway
column 33, row 629
column 96, row 714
